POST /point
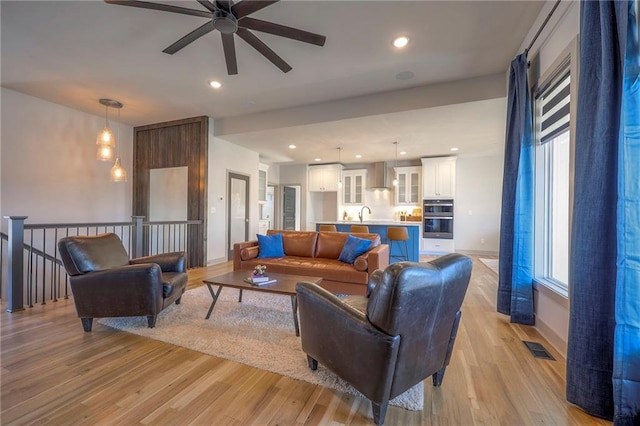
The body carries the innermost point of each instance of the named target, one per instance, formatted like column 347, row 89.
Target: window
column 553, row 180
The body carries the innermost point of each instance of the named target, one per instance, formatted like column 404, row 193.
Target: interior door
column 237, row 211
column 289, row 208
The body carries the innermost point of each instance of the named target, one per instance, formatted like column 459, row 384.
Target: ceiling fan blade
column 208, row 5
column 161, row 7
column 229, row 53
column 282, row 31
column 190, row 38
column 257, row 44
column 247, row 7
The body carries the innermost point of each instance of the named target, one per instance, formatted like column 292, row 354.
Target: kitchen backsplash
column 382, row 205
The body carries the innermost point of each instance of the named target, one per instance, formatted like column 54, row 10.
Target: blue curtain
column 603, row 358
column 515, row 283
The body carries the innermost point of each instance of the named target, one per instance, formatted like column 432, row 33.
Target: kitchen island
column 380, row 227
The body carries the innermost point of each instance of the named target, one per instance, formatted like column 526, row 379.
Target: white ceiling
column 76, row 52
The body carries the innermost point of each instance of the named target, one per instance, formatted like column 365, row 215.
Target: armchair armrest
column 118, row 291
column 342, row 338
column 237, row 248
column 168, row 262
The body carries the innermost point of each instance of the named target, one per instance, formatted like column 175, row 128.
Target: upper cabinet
column 324, row 178
column 438, row 177
column 262, row 182
column 408, row 189
column 353, row 184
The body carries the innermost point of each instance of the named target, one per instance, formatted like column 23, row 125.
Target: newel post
column 137, row 236
column 15, row 274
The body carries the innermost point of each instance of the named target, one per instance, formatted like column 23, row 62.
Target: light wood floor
column 54, row 373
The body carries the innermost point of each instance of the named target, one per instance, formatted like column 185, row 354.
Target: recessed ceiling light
column 317, row 159
column 454, row 149
column 215, row 84
column 400, row 42
column 403, row 152
column 292, row 146
column 358, row 156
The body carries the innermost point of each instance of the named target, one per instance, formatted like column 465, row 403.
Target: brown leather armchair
column 105, row 283
column 395, row 337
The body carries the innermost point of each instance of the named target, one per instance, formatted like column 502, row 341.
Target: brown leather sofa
column 316, row 254
column 105, row 283
column 393, row 339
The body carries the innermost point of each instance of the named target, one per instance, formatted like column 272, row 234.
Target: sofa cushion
column 297, row 243
column 94, row 253
column 328, row 269
column 270, row 246
column 353, row 248
column 173, row 281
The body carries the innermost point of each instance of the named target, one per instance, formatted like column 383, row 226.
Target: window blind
column 553, row 107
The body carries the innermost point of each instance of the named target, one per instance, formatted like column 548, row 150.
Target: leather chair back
column 83, row 254
column 419, row 302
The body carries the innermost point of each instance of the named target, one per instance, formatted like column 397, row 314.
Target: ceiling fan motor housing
column 225, row 22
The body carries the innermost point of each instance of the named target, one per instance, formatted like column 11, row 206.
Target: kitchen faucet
column 360, row 215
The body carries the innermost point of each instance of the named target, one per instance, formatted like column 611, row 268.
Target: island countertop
column 381, row 222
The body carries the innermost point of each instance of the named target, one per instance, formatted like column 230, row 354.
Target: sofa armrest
column 378, row 258
column 168, row 262
column 237, row 248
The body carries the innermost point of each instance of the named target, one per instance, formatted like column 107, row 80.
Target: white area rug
column 258, row 332
column 491, row 264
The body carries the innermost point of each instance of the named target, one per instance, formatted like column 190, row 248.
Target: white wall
column 552, row 310
column 225, row 157
column 478, row 203
column 49, row 167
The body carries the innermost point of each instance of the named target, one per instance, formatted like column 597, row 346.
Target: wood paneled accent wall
column 175, row 144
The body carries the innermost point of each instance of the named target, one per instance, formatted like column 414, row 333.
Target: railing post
column 15, row 257
column 137, row 236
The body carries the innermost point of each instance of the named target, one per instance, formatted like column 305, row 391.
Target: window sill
column 552, row 285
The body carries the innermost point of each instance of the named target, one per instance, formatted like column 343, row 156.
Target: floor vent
column 538, row 351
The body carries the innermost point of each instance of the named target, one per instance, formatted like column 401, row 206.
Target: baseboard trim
column 216, row 261
column 552, row 337
column 478, row 252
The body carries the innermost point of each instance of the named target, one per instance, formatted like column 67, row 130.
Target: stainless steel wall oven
column 437, row 220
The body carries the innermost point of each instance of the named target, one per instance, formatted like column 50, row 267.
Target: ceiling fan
column 230, row 19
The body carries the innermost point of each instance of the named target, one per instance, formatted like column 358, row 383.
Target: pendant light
column 118, row 173
column 105, row 140
column 395, row 166
column 340, row 163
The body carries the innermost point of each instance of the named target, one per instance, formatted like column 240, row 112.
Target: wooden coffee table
column 285, row 284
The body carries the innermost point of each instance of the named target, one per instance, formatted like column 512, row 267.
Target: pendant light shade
column 118, row 173
column 106, row 141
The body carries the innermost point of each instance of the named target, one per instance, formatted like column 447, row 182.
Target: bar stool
column 398, row 234
column 360, row 229
column 327, row 228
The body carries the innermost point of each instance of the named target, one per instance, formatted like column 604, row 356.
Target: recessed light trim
column 358, row 156
column 454, row 149
column 403, row 152
column 400, row 42
column 318, row 159
column 215, row 84
column 292, row 146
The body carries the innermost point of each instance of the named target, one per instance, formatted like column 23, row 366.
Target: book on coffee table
column 259, row 280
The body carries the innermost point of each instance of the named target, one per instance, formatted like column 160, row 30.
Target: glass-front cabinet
column 408, row 189
column 262, row 182
column 353, row 182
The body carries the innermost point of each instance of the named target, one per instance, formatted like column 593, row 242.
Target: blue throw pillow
column 270, row 246
column 353, row 248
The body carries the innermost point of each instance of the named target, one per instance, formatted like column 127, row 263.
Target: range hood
column 377, row 176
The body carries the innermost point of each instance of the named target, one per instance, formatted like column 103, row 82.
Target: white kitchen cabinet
column 324, row 178
column 408, row 189
column 438, row 177
column 262, row 182
column 353, row 184
column 437, row 246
